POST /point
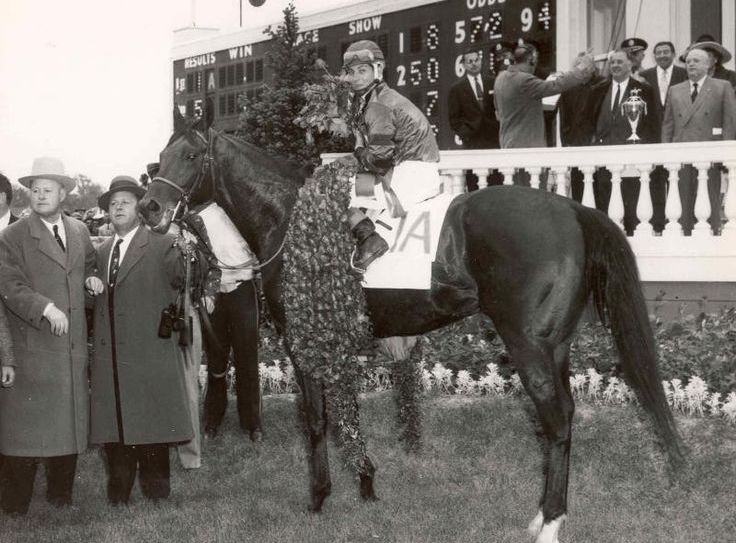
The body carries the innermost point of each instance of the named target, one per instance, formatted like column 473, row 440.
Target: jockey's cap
column 362, row 52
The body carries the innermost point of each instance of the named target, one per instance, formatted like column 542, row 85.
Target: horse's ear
column 180, row 123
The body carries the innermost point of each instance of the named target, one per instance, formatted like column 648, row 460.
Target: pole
column 241, row 13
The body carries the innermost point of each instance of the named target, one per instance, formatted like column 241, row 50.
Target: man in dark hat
column 45, row 415
column 138, row 397
column 636, row 49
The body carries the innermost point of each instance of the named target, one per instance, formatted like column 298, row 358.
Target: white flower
column 442, row 377
column 464, row 383
column 696, row 393
column 729, row 407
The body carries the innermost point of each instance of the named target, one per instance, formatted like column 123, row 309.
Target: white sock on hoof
column 535, row 526
column 550, row 530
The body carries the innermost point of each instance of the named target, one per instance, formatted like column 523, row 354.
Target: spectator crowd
column 691, row 103
column 100, row 343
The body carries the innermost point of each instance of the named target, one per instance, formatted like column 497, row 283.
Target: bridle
column 208, row 166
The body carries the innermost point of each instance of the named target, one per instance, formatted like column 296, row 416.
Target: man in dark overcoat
column 6, row 196
column 139, row 401
column 603, row 123
column 44, row 259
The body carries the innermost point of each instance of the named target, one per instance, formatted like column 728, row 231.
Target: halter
column 208, row 164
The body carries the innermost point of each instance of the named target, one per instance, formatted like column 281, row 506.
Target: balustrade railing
column 703, row 254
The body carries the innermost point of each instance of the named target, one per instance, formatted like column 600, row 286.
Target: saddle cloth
column 412, row 241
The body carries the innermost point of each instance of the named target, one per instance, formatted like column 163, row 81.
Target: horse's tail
column 612, row 277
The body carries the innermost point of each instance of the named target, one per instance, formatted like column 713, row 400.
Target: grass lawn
column 477, row 480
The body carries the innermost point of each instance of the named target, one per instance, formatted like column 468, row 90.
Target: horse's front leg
column 406, row 354
column 342, row 399
column 315, row 417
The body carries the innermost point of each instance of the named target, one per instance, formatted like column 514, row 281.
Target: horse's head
column 184, row 165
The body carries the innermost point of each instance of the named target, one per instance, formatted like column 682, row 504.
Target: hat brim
column 66, row 182
column 715, row 46
column 104, row 201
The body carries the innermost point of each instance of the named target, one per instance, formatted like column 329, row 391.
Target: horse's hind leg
column 315, row 417
column 544, row 372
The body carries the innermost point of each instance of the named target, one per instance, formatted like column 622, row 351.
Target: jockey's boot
column 370, row 245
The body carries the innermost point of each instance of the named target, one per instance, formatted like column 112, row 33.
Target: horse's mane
column 280, row 166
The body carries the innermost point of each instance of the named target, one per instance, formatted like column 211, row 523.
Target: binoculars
column 173, row 320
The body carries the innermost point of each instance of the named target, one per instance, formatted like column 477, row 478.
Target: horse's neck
column 261, row 219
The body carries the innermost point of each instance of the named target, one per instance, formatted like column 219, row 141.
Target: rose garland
column 324, row 304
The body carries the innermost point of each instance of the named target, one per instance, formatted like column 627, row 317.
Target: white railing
column 671, row 256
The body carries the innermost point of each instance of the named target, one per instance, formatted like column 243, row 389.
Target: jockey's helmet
column 364, row 52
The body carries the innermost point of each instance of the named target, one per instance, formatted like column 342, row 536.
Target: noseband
column 207, row 165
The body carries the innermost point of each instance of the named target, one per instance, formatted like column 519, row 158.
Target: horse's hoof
column 210, row 432
column 535, row 526
column 550, row 531
column 256, row 436
column 366, row 488
column 318, row 499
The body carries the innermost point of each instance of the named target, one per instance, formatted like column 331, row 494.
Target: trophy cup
column 633, row 108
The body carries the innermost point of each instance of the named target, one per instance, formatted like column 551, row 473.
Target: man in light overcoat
column 44, row 260
column 700, row 109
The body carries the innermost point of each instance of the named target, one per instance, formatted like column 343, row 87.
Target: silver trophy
column 633, row 108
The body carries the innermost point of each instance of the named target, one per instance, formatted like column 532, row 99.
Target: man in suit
column 470, row 106
column 6, row 197
column 139, row 401
column 661, row 77
column 471, row 110
column 605, row 124
column 518, row 96
column 700, row 109
column 45, row 415
column 665, row 74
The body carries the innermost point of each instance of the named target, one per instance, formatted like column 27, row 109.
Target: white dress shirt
column 475, row 85
column 127, row 238
column 50, row 225
column 663, row 79
column 623, row 85
column 700, row 84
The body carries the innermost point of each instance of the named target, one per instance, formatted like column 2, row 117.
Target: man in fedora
column 6, row 196
column 718, row 54
column 139, row 402
column 45, row 415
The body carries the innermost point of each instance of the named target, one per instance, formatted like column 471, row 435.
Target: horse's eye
column 191, row 156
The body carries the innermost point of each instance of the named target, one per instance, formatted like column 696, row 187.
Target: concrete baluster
column 482, row 174
column 702, row 201
column 644, row 207
column 534, row 176
column 561, row 180
column 616, row 205
column 588, row 196
column 673, row 205
column 729, row 229
column 508, row 175
column 457, row 184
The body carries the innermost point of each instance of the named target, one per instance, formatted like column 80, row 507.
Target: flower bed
column 697, row 364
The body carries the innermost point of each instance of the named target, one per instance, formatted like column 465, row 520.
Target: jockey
column 393, row 140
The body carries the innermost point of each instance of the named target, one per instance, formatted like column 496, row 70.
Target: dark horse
column 528, row 259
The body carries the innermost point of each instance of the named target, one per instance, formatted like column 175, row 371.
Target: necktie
column 478, row 89
column 694, row 94
column 616, row 99
column 114, row 263
column 58, row 237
